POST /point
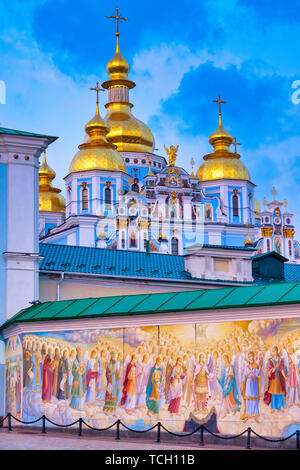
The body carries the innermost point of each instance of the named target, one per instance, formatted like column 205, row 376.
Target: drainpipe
column 62, row 276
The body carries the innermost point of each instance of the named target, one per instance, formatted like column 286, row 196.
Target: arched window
column 208, row 213
column 107, row 194
column 123, row 244
column 235, row 205
column 135, row 187
column 132, row 239
column 85, row 198
column 290, row 248
column 268, row 245
column 174, row 246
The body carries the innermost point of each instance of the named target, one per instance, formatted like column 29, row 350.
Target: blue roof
column 292, row 272
column 103, row 261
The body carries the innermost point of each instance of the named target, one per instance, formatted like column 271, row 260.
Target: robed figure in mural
column 230, row 401
column 91, row 378
column 250, row 389
column 78, row 384
column 112, row 375
column 48, row 377
column 153, row 394
column 63, row 377
column 129, row 386
column 175, row 393
column 201, row 384
column 276, row 389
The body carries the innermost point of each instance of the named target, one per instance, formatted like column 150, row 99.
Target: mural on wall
column 13, row 377
column 228, row 375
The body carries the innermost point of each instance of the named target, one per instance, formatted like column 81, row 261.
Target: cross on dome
column 219, row 101
column 117, row 18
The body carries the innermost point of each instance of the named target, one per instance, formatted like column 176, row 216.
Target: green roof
column 141, row 304
column 4, row 130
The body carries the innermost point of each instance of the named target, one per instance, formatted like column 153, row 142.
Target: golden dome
column 96, row 153
column 127, row 132
column 222, row 164
column 49, row 198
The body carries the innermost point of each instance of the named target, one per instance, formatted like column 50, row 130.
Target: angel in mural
column 175, row 392
column 153, row 389
column 201, row 384
column 230, row 400
column 36, row 367
column 250, row 389
column 275, row 395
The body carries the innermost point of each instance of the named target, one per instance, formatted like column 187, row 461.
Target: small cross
column 235, row 143
column 117, row 18
column 97, row 89
column 220, row 102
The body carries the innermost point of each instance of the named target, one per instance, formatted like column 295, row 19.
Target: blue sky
column 182, row 55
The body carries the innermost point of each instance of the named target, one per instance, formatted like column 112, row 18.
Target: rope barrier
column 158, row 425
column 100, row 429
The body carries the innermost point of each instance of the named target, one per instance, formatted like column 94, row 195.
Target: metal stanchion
column 298, row 439
column 80, row 427
column 9, row 422
column 118, row 430
column 158, row 431
column 248, row 447
column 43, row 424
column 201, row 443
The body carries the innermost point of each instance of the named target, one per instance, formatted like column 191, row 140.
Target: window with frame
column 85, row 198
column 235, row 205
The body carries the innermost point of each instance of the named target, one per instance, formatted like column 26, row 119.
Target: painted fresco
column 13, row 376
column 227, row 375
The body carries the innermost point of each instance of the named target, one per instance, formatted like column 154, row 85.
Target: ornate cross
column 235, row 143
column 117, row 18
column 97, row 89
column 219, row 101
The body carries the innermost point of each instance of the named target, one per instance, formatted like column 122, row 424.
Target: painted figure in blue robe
column 153, row 389
column 250, row 389
column 78, row 384
column 119, row 383
column 101, row 382
column 37, row 368
column 230, row 402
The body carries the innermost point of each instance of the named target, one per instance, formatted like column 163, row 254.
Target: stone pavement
column 20, row 439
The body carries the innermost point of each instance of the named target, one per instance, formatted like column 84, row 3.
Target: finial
column 150, row 171
column 44, row 159
column 97, row 89
column 172, row 154
column 117, row 18
column 192, row 163
column 235, row 143
column 265, row 202
column 219, row 101
column 273, row 191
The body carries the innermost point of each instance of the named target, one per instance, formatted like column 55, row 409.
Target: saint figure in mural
column 8, row 388
column 101, row 382
column 18, row 388
column 112, row 374
column 293, row 380
column 119, row 383
column 276, row 388
column 143, row 370
column 91, row 377
column 153, row 389
column 175, row 393
column 230, row 401
column 36, row 367
column 129, row 386
column 56, row 365
column 63, row 377
column 48, row 377
column 78, row 384
column 201, row 384
column 250, row 388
